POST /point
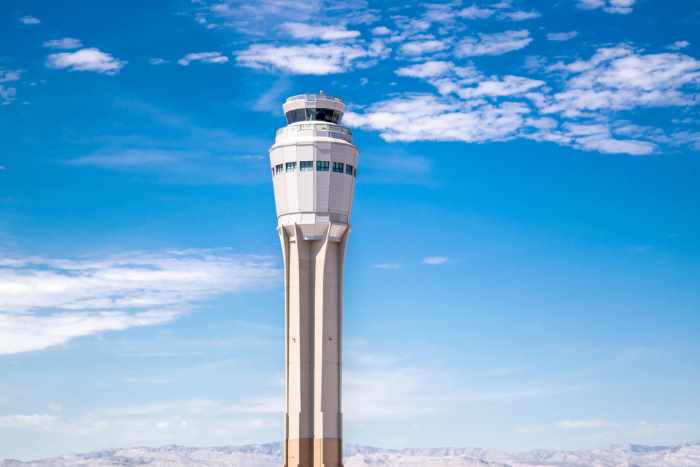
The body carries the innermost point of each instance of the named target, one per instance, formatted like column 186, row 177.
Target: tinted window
column 306, row 166
column 338, row 167
column 291, row 166
column 311, row 114
column 322, row 166
column 278, row 168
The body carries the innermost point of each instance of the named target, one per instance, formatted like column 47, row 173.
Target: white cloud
column 609, row 6
column 26, row 332
column 597, row 137
column 29, row 20
column 325, row 33
column 204, row 57
column 34, row 421
column 620, row 78
column 474, row 12
column 435, row 260
column 585, row 424
column 561, row 36
column 493, row 44
column 678, row 45
column 422, row 47
column 91, row 59
column 8, row 93
column 45, row 302
column 467, row 82
column 387, row 266
column 381, row 31
column 65, row 43
column 521, row 15
column 157, row 61
column 441, row 119
column 429, row 69
column 307, row 59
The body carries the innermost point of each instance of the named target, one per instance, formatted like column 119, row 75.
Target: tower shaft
column 313, row 296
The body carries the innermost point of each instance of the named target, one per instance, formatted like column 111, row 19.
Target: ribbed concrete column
column 313, row 292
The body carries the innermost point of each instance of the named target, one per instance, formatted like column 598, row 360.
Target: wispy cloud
column 307, row 59
column 29, row 20
column 311, row 31
column 205, row 57
column 388, row 266
column 561, row 36
column 435, row 260
column 622, row 7
column 47, row 301
column 91, row 59
column 64, row 43
column 8, row 93
column 493, row 44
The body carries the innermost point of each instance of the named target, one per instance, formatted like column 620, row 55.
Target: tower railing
column 306, row 129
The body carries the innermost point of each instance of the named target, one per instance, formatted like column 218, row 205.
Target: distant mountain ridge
column 269, row 455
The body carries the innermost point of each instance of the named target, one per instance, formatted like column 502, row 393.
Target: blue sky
column 523, row 266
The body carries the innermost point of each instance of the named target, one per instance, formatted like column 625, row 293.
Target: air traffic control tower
column 314, row 167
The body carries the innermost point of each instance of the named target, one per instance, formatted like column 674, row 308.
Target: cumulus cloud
column 421, row 47
column 620, row 78
column 65, row 43
column 90, row 59
column 493, row 44
column 622, row 7
column 204, row 57
column 381, row 31
column 325, row 33
column 306, row 59
column 474, row 108
column 29, row 20
column 46, row 302
column 441, row 119
column 474, row 12
column 561, row 36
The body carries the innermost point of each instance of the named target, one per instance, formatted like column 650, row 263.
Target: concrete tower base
column 313, row 315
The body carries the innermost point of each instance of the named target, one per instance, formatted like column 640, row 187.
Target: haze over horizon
column 524, row 255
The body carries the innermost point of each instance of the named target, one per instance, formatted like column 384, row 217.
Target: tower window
column 322, row 166
column 355, row 172
column 278, row 168
column 338, row 167
column 306, row 166
column 348, row 169
column 290, row 166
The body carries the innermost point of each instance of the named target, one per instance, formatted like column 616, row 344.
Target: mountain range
column 269, row 455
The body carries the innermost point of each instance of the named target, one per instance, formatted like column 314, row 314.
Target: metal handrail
column 314, row 97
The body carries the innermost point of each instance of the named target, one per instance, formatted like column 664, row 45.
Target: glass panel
column 348, row 169
column 278, row 168
column 338, row 167
column 322, row 166
column 306, row 166
column 291, row 166
column 313, row 114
